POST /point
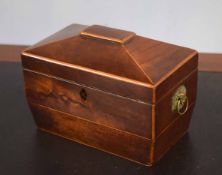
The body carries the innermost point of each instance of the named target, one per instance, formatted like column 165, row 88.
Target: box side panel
column 97, row 106
column 170, row 126
column 179, row 75
column 172, row 134
column 164, row 114
column 108, row 83
column 94, row 135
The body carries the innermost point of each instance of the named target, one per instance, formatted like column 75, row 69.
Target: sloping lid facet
column 112, row 51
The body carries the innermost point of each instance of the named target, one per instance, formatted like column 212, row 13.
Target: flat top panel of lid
column 106, row 33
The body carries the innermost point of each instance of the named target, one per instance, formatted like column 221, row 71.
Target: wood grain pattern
column 106, row 33
column 30, row 151
column 107, row 82
column 164, row 115
column 138, row 59
column 127, row 105
column 69, row 31
column 99, row 107
column 179, row 75
column 110, row 140
column 108, row 57
column 208, row 62
column 158, row 59
column 172, row 134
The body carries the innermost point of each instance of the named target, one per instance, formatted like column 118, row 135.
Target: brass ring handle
column 180, row 101
column 180, row 105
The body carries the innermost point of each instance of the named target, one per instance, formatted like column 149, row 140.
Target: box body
column 111, row 89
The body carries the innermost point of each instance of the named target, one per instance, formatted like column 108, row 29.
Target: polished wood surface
column 110, row 140
column 179, row 75
column 172, row 134
column 59, row 73
column 163, row 108
column 139, row 59
column 135, row 90
column 158, row 60
column 116, row 112
column 25, row 150
column 113, row 121
column 108, row 57
column 106, row 33
column 208, row 62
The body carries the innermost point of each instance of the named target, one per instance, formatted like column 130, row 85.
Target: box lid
column 112, row 53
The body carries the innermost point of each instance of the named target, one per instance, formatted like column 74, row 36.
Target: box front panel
column 90, row 78
column 110, row 140
column 91, row 104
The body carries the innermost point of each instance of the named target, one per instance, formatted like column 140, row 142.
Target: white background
column 193, row 23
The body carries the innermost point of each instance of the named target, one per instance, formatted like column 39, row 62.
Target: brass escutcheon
column 180, row 101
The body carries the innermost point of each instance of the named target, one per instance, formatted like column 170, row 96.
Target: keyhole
column 83, row 94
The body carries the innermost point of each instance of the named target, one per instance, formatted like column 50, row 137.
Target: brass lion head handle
column 180, row 101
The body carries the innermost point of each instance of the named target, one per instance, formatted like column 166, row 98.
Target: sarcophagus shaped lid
column 109, row 53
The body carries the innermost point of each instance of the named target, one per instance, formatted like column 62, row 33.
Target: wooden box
column 112, row 90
